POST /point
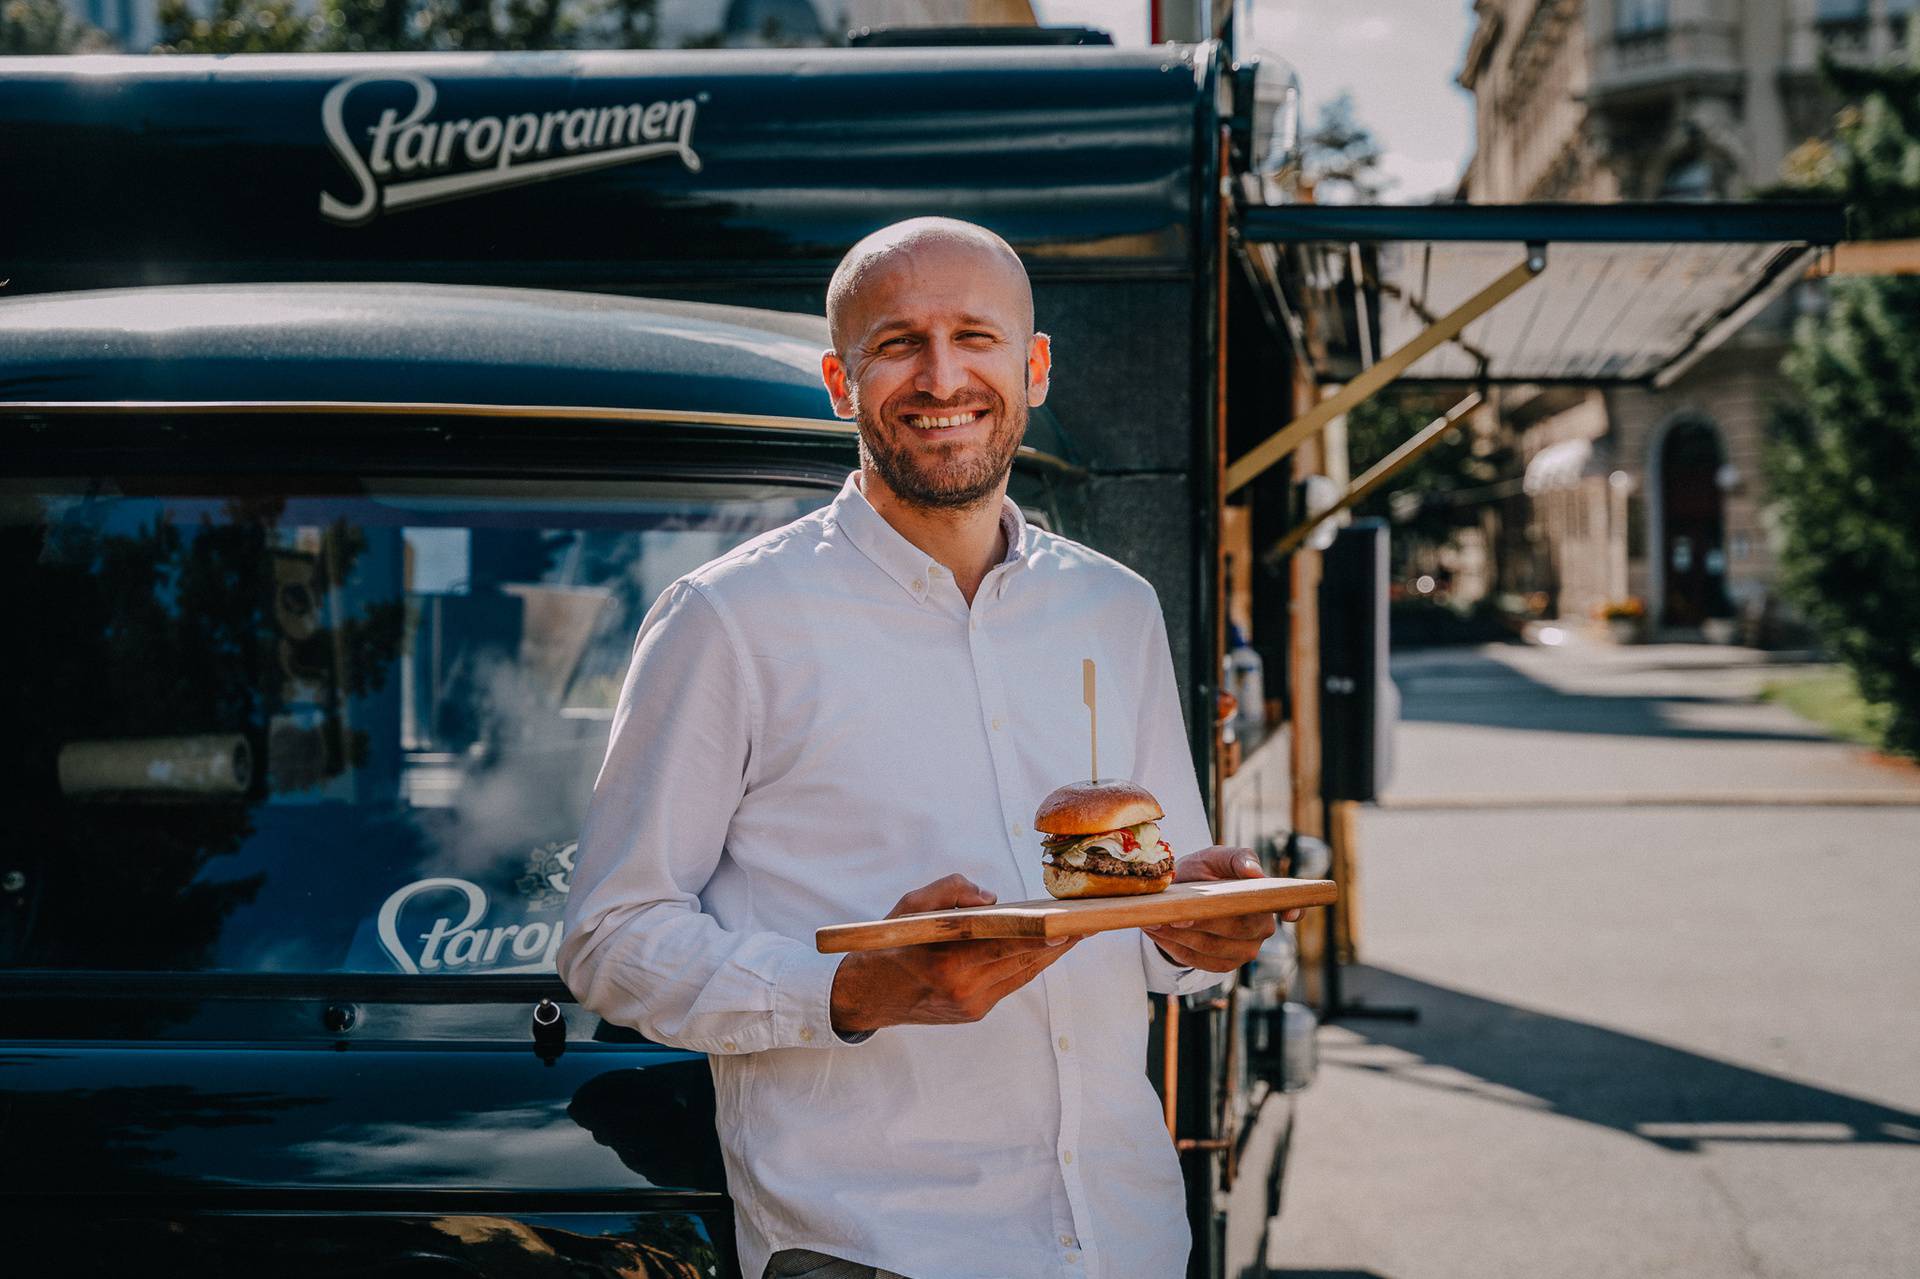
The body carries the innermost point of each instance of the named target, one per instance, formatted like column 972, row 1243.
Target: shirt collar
column 900, row 559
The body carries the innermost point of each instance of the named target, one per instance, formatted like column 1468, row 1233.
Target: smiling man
column 856, row 715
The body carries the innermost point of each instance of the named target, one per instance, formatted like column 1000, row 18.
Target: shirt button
column 1066, row 1240
column 730, row 1046
column 996, row 723
column 1064, row 1047
column 919, row 585
column 1073, row 1256
column 1017, row 830
column 806, row 1033
column 1067, row 1158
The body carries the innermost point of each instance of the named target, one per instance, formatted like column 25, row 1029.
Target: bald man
column 856, row 715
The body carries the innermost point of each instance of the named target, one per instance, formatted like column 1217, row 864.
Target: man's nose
column 942, row 374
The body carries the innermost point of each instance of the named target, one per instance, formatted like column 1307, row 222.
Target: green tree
column 1447, row 489
column 1341, row 157
column 1844, row 463
column 44, row 26
column 237, row 26
column 278, row 26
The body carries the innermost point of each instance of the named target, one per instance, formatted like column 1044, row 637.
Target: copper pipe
column 1202, row 1143
column 1170, row 1059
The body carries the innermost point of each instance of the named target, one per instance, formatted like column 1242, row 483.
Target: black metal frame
column 1819, row 223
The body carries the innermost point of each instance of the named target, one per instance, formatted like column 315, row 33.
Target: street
column 1660, row 938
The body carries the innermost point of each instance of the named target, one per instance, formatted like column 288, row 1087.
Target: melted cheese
column 1146, row 833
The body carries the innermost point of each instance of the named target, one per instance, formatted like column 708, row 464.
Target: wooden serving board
column 1206, row 899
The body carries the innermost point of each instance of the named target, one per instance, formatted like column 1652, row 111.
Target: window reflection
column 264, row 728
column 1639, row 17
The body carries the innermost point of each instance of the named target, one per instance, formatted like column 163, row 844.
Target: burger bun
column 1093, row 808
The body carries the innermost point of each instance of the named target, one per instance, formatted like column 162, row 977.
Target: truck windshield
column 321, row 727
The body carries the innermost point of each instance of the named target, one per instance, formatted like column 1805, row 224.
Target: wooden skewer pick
column 1093, row 714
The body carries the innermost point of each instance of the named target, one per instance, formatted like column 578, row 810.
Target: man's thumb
column 1219, row 862
column 1234, row 863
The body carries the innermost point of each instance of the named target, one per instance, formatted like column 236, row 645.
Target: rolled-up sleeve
column 1164, row 765
column 639, row 948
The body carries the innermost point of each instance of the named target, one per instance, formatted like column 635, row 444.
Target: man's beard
column 949, row 477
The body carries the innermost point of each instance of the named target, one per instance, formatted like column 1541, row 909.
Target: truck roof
column 462, row 349
column 411, row 344
column 612, row 171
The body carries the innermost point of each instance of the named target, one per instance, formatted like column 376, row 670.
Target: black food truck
column 355, row 409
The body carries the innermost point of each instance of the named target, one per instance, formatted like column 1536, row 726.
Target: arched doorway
column 1692, row 525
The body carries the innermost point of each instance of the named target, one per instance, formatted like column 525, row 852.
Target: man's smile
column 933, row 423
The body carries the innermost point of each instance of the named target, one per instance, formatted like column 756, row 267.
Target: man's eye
column 895, row 343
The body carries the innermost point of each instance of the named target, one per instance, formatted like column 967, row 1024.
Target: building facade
column 1632, row 492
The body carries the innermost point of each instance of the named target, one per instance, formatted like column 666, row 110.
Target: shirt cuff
column 803, row 1004
column 1164, row 977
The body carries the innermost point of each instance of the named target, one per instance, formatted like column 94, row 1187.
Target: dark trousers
column 798, row 1263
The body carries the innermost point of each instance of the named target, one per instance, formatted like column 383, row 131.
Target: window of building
column 1639, row 17
column 1690, row 179
column 1840, row 10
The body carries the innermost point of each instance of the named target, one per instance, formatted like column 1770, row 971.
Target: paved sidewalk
column 1658, row 1037
column 1642, row 722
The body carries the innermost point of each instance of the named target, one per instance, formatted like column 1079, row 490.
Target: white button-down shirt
column 813, row 725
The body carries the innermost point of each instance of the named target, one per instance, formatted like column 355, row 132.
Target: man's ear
column 1039, row 369
column 833, row 371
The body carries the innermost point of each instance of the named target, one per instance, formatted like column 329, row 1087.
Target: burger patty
column 1105, row 864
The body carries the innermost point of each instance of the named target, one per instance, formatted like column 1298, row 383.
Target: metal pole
column 1370, row 381
column 1382, row 471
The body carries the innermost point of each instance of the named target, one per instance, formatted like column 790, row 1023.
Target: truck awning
column 1624, row 293
column 1425, row 293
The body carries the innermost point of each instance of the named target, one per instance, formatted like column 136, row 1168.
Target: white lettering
column 494, row 939
column 333, row 123
column 465, row 947
column 530, row 942
column 468, row 942
column 521, row 130
column 561, row 881
column 406, row 143
column 430, row 953
column 617, row 125
column 683, row 112
column 577, row 133
column 487, row 127
column 453, row 130
column 382, row 134
column 388, row 923
column 415, row 148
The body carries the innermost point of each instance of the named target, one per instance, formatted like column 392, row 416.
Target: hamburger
column 1102, row 841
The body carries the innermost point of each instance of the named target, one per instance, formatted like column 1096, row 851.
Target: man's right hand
column 939, row 984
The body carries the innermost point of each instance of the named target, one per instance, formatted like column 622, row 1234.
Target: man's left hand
column 1217, row 945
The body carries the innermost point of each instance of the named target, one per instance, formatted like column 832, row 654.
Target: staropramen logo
column 408, row 158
